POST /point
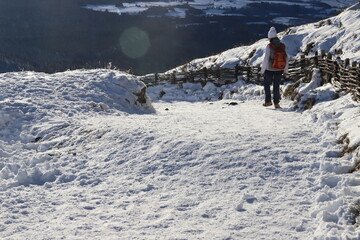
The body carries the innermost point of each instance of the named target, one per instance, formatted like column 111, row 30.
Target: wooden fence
column 342, row 74
column 219, row 76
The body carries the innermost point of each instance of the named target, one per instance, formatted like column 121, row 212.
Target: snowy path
column 194, row 171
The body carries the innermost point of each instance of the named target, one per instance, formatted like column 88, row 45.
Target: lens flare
column 134, row 42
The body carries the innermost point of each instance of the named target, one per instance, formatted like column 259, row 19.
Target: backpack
column 280, row 56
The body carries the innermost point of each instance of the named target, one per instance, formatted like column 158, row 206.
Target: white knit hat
column 272, row 33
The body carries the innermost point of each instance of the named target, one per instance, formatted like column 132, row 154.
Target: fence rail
column 342, row 74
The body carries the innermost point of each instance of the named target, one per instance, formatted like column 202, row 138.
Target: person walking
column 274, row 66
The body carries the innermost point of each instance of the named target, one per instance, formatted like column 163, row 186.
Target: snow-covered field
column 82, row 158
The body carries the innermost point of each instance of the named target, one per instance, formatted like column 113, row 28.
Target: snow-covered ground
column 83, row 157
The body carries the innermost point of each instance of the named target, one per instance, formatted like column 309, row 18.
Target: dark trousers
column 272, row 78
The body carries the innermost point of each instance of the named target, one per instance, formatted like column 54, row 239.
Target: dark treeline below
column 53, row 35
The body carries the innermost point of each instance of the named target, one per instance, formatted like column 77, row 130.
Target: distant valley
column 144, row 37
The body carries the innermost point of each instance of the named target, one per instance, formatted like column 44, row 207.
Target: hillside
column 339, row 35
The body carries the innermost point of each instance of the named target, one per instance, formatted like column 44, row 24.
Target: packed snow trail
column 203, row 170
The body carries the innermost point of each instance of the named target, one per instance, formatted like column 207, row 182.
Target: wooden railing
column 342, row 74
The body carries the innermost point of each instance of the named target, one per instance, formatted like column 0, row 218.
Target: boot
column 266, row 104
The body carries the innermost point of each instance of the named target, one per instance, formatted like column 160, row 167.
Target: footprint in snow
column 89, row 208
column 246, row 198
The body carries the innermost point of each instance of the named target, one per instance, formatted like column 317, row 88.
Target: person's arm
column 265, row 62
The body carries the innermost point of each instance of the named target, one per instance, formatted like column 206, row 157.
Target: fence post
column 192, row 78
column 358, row 79
column 240, row 71
column 329, row 56
column 328, row 75
column 258, row 75
column 156, row 78
column 248, row 74
column 236, row 72
column 217, row 76
column 322, row 53
column 302, row 62
column 173, row 78
column 336, row 71
column 316, row 59
column 347, row 63
column 356, row 72
column 205, row 73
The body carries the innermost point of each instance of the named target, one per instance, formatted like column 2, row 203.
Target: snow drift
column 35, row 107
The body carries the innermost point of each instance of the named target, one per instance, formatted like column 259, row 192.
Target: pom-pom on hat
column 272, row 33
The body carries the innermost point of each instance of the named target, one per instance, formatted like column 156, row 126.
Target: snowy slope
column 339, row 32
